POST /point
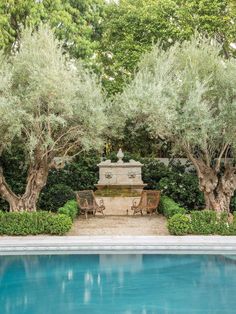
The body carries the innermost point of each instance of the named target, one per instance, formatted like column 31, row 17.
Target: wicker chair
column 88, row 204
column 148, row 202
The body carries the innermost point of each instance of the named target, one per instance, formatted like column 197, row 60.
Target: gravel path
column 120, row 225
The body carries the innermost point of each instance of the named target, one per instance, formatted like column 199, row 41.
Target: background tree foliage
column 133, row 26
column 77, row 23
column 111, row 37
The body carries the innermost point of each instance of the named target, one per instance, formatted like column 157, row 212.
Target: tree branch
column 207, row 157
column 60, row 138
column 217, row 167
column 192, row 159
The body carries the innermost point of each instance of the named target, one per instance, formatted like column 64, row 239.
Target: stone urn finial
column 120, row 156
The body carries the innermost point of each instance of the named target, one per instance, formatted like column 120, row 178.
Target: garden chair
column 148, row 202
column 88, row 204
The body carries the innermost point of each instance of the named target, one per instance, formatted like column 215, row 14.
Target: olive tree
column 52, row 105
column 187, row 96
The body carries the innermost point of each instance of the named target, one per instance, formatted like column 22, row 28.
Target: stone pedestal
column 120, row 175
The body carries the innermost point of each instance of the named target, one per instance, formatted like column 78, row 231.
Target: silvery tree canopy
column 52, row 104
column 187, row 95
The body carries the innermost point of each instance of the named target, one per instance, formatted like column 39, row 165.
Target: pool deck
column 40, row 245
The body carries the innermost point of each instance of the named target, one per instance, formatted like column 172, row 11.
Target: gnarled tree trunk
column 36, row 180
column 218, row 188
column 208, row 182
column 226, row 188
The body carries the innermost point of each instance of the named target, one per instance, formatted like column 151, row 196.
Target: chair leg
column 101, row 210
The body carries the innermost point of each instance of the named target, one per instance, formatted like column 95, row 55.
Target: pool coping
column 41, row 245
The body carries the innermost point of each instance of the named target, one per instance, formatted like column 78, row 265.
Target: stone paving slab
column 120, row 225
column 34, row 245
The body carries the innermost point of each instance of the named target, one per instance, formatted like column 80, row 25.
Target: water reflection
column 126, row 262
column 117, row 284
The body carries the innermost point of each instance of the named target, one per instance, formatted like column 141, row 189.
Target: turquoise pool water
column 145, row 284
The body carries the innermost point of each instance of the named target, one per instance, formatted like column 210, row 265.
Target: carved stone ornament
column 131, row 174
column 108, row 175
column 120, row 156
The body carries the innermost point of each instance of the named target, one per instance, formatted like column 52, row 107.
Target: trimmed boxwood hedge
column 169, row 207
column 179, row 224
column 203, row 222
column 208, row 222
column 70, row 209
column 27, row 223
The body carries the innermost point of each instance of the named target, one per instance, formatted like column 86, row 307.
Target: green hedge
column 202, row 223
column 179, row 224
column 26, row 223
column 232, row 228
column 70, row 209
column 207, row 222
column 169, row 208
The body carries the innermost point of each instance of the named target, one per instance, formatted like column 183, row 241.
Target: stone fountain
column 120, row 174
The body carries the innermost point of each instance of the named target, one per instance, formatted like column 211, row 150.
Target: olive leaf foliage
column 186, row 95
column 48, row 100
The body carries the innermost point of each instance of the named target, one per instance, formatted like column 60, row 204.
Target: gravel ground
column 120, row 225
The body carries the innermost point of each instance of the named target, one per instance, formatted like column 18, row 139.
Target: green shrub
column 232, row 228
column 15, row 223
column 169, row 208
column 222, row 227
column 26, row 223
column 209, row 222
column 153, row 171
column 179, row 224
column 70, row 209
column 58, row 224
column 55, row 196
column 183, row 187
column 81, row 174
column 203, row 222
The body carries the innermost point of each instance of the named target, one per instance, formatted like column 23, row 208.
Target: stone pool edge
column 47, row 245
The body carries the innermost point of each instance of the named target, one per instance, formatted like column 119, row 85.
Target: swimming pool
column 128, row 284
